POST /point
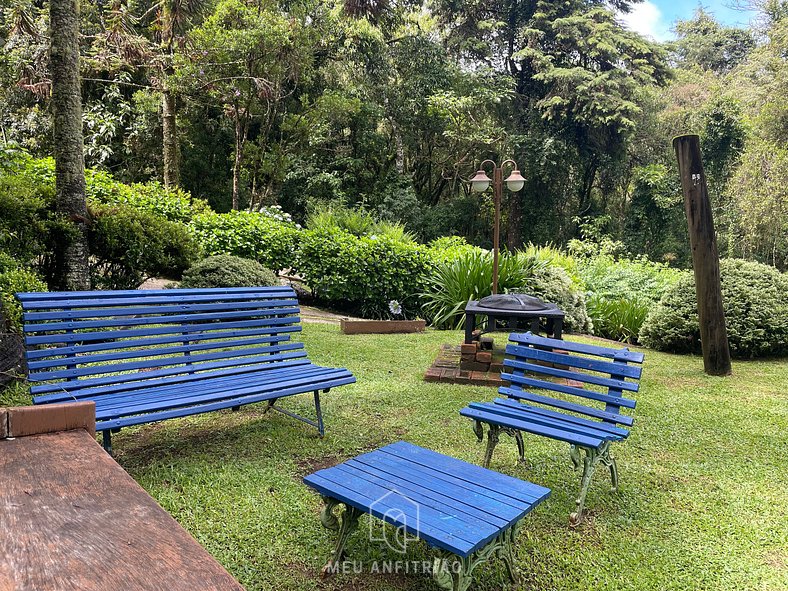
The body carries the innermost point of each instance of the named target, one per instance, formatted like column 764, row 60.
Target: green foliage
column 362, row 274
column 554, row 285
column 27, row 192
column 129, row 245
column 614, row 278
column 468, row 276
column 703, row 42
column 357, row 222
column 226, row 270
column 15, row 278
column 619, row 319
column 449, row 248
column 174, row 205
column 550, row 254
column 756, row 312
column 250, row 235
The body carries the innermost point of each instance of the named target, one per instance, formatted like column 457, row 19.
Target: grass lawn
column 702, row 503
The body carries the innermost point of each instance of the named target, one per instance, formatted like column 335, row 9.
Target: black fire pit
column 513, row 312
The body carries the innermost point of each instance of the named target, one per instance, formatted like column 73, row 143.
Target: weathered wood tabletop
column 72, row 518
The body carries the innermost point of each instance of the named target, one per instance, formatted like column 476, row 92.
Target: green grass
column 702, row 503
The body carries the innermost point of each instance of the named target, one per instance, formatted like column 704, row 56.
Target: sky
column 655, row 18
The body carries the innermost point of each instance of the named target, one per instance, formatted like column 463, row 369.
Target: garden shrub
column 756, row 312
column 357, row 222
column 172, row 204
column 620, row 278
column 14, row 277
column 554, row 285
column 128, row 246
column 619, row 319
column 225, row 270
column 468, row 276
column 362, row 274
column 449, row 248
column 250, row 235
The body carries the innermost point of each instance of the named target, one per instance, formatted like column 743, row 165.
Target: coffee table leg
column 345, row 524
column 455, row 573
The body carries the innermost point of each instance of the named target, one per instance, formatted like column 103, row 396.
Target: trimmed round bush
column 226, row 270
column 128, row 246
column 756, row 312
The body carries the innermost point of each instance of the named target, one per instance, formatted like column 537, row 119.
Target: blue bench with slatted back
column 567, row 391
column 150, row 355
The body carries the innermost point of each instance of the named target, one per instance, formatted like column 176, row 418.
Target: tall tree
column 72, row 260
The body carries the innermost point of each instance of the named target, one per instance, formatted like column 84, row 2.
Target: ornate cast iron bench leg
column 593, row 456
column 454, row 573
column 344, row 524
column 493, row 438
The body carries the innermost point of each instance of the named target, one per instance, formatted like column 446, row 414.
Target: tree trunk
column 171, row 156
column 71, row 262
column 705, row 258
column 240, row 139
column 514, row 239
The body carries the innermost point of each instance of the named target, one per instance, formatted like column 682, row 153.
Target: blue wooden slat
column 572, row 375
column 206, row 338
column 516, row 489
column 554, row 387
column 385, row 508
column 528, row 427
column 622, row 354
column 214, row 385
column 176, row 382
column 604, row 426
column 156, row 330
column 153, row 320
column 193, row 410
column 467, row 514
column 520, row 394
column 523, row 414
column 71, row 385
column 71, row 314
column 573, row 361
column 143, row 298
column 149, row 401
column 244, row 356
column 215, row 293
column 58, row 360
column 485, row 500
column 452, row 528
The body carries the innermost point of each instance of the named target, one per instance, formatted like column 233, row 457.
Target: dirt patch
column 777, row 559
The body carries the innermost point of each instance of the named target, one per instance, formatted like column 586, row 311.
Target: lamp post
column 480, row 183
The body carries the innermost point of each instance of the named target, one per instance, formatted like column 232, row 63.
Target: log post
column 705, row 257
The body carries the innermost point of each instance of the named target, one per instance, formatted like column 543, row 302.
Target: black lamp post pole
column 497, row 195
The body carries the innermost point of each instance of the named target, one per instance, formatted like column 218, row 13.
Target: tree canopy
column 389, row 106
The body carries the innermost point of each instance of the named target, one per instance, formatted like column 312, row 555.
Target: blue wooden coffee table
column 467, row 513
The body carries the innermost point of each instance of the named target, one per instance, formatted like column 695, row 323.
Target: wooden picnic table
column 72, row 518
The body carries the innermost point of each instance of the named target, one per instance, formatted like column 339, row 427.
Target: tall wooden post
column 705, row 257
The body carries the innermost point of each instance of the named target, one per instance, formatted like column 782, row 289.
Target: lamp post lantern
column 480, row 183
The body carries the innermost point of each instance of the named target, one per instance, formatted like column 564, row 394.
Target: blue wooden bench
column 467, row 513
column 552, row 394
column 145, row 356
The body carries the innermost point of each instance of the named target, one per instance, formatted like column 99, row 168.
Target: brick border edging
column 21, row 421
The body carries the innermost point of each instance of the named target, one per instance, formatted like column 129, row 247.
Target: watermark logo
column 399, row 510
